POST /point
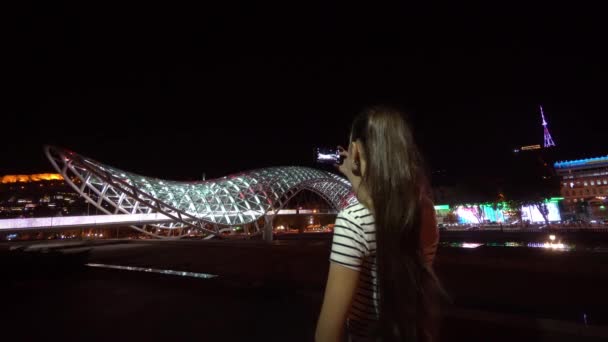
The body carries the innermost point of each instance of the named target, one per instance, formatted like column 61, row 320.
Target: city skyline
column 158, row 178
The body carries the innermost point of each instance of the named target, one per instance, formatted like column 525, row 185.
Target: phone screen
column 327, row 156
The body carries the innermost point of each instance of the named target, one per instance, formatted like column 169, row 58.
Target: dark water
column 274, row 292
column 557, row 241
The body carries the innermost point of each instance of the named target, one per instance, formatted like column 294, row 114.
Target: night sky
column 173, row 91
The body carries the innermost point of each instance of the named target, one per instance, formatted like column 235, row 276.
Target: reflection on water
column 155, row 270
column 550, row 245
column 505, row 244
column 461, row 244
column 469, row 245
column 558, row 246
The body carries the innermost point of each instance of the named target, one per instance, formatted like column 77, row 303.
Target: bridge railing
column 81, row 221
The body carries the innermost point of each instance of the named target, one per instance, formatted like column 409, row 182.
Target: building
column 38, row 195
column 584, row 186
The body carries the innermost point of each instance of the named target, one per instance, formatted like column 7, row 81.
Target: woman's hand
column 347, row 166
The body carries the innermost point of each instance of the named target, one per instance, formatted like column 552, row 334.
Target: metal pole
column 268, row 228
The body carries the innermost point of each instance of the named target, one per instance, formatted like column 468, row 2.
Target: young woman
column 380, row 281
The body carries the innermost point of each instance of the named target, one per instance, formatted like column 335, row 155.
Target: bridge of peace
column 170, row 210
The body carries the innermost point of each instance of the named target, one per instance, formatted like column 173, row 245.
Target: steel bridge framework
column 248, row 198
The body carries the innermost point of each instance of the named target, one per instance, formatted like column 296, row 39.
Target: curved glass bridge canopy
column 209, row 206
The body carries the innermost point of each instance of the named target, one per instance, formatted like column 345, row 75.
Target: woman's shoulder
column 355, row 212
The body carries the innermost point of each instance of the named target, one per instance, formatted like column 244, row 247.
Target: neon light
column 471, row 215
column 466, row 215
column 493, row 215
column 548, row 139
column 442, row 207
column 532, row 214
column 580, row 162
column 531, row 147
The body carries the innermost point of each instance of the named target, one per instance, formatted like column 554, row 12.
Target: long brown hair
column 396, row 183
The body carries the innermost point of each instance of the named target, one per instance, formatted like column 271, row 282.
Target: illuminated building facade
column 584, row 185
column 488, row 213
column 38, row 195
column 14, row 179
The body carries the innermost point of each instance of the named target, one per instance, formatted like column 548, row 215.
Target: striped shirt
column 354, row 247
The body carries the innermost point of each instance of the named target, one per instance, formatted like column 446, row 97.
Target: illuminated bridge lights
column 209, row 206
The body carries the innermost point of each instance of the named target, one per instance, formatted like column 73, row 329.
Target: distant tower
column 548, row 140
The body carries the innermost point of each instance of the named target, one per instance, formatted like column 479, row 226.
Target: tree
column 499, row 205
column 532, row 181
column 451, row 217
column 517, row 211
column 514, row 210
column 516, row 205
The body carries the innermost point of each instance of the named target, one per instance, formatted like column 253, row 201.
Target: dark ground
column 274, row 292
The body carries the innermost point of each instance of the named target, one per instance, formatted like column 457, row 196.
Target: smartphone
column 327, row 156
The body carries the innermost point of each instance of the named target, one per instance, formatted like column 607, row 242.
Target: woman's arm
column 429, row 232
column 341, row 285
